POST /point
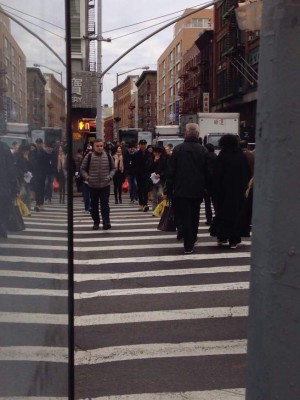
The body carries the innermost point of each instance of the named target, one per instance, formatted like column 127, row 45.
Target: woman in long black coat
column 230, row 179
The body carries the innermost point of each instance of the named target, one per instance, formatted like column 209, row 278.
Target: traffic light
column 87, row 125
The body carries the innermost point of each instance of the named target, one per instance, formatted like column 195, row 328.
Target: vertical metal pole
column 274, row 315
column 118, row 110
column 99, row 132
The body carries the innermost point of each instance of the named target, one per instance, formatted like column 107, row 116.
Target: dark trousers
column 142, row 185
column 101, row 195
column 118, row 181
column 40, row 189
column 61, row 179
column 132, row 187
column 208, row 202
column 187, row 214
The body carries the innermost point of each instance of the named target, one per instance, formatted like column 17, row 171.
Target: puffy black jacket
column 186, row 176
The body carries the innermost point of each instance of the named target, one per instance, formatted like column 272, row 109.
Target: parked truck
column 167, row 134
column 214, row 125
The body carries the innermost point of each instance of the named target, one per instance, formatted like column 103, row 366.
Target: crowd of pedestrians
column 29, row 174
column 185, row 175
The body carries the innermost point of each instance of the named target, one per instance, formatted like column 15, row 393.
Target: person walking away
column 119, row 176
column 158, row 174
column 61, row 174
column 130, row 172
column 97, row 169
column 8, row 184
column 78, row 159
column 40, row 163
column 84, row 185
column 142, row 162
column 230, row 178
column 51, row 169
column 185, row 184
column 24, row 170
column 208, row 200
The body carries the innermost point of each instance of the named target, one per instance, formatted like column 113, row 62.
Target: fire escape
column 92, row 32
column 238, row 69
column 3, row 90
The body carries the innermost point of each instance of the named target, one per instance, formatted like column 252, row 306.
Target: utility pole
column 274, row 315
column 99, row 132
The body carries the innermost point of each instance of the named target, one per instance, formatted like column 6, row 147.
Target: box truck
column 168, row 134
column 214, row 125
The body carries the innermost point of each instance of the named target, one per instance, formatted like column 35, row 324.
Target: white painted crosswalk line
column 159, row 350
column 225, row 394
column 165, row 315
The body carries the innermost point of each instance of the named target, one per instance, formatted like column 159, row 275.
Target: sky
column 115, row 14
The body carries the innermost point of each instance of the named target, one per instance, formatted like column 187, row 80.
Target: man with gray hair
column 185, row 185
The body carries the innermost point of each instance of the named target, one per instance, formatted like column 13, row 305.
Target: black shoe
column 120, row 201
column 209, row 223
column 95, row 227
column 106, row 227
column 188, row 251
column 146, row 208
column 116, row 201
column 37, row 208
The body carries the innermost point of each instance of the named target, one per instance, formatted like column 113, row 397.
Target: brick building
column 13, row 97
column 147, row 100
column 169, row 64
column 36, row 116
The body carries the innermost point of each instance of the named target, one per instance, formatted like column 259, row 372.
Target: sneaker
column 37, row 208
column 222, row 243
column 141, row 208
column 106, row 227
column 95, row 227
column 146, row 208
column 232, row 245
column 188, row 251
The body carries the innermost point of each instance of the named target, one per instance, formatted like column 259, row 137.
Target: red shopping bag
column 125, row 186
column 55, row 184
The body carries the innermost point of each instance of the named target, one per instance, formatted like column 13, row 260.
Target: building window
column 76, row 46
column 200, row 23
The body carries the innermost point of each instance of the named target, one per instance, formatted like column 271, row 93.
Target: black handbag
column 15, row 221
column 167, row 220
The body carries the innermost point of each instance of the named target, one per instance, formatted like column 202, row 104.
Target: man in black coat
column 186, row 184
column 142, row 161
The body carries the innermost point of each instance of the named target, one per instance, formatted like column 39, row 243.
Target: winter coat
column 141, row 163
column 230, row 179
column 160, row 167
column 98, row 171
column 187, row 170
column 129, row 163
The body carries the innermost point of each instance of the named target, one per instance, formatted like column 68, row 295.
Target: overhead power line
column 148, row 20
column 32, row 23
column 32, row 16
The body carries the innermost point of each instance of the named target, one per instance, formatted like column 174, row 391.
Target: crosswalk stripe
column 34, row 353
column 224, row 394
column 85, row 277
column 127, row 292
column 165, row 290
column 159, row 350
column 124, row 318
column 153, row 259
column 155, row 316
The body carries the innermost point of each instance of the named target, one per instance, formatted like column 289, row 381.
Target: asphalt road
column 151, row 322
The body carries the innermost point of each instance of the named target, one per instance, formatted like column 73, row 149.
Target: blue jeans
column 132, row 187
column 101, row 195
column 48, row 187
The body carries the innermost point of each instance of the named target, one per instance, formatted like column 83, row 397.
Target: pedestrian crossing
column 153, row 323
column 150, row 322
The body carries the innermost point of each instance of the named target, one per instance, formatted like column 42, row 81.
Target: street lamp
column 117, row 118
column 53, row 70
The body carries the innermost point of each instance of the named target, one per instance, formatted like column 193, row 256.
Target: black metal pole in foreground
column 274, row 321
